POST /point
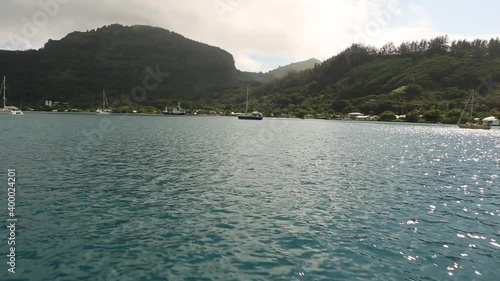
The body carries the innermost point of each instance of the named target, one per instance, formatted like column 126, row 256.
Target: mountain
column 413, row 77
column 282, row 71
column 137, row 64
column 150, row 66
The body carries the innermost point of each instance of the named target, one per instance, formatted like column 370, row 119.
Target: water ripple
column 219, row 199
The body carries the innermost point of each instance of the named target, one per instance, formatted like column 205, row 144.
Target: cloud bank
column 260, row 34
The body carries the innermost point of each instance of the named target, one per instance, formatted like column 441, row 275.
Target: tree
column 433, row 115
column 413, row 90
column 387, row 116
column 388, row 49
column 369, row 106
column 404, row 49
column 412, row 117
column 301, row 113
column 494, row 48
column 479, row 49
column 339, row 105
column 452, row 116
column 438, row 45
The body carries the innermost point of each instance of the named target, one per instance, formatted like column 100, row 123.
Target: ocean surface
column 127, row 197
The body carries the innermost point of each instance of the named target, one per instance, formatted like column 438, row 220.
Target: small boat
column 105, row 107
column 471, row 125
column 16, row 111
column 474, row 126
column 12, row 110
column 255, row 115
column 178, row 110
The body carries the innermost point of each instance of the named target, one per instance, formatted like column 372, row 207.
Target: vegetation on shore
column 145, row 68
column 431, row 79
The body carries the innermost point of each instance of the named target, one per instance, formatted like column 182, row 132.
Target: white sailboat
column 178, row 110
column 471, row 125
column 255, row 115
column 12, row 110
column 175, row 111
column 105, row 107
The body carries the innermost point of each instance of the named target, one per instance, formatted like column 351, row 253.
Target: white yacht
column 105, row 107
column 492, row 121
column 178, row 110
column 12, row 110
column 255, row 115
column 475, row 124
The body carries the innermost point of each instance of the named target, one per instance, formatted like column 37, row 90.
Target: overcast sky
column 261, row 34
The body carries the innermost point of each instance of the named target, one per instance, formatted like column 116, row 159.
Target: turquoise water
column 217, row 198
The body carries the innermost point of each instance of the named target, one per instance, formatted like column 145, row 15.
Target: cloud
column 245, row 62
column 249, row 29
column 419, row 15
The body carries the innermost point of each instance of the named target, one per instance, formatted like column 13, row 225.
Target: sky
column 260, row 34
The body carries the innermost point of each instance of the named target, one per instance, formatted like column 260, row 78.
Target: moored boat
column 12, row 110
column 255, row 115
column 178, row 110
column 471, row 125
column 252, row 116
column 105, row 110
column 492, row 121
column 474, row 126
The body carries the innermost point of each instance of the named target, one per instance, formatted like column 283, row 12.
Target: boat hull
column 102, row 112
column 250, row 117
column 477, row 127
column 11, row 112
column 170, row 113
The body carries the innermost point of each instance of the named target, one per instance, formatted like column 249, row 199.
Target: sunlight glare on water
column 217, row 198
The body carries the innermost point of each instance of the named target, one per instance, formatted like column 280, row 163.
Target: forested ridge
column 413, row 77
column 410, row 78
column 116, row 59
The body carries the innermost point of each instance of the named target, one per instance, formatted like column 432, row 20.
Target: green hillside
column 149, row 66
column 413, row 77
column 116, row 58
column 282, row 71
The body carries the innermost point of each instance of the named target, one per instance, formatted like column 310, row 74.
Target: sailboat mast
column 246, row 108
column 4, row 90
column 465, row 109
column 472, row 105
